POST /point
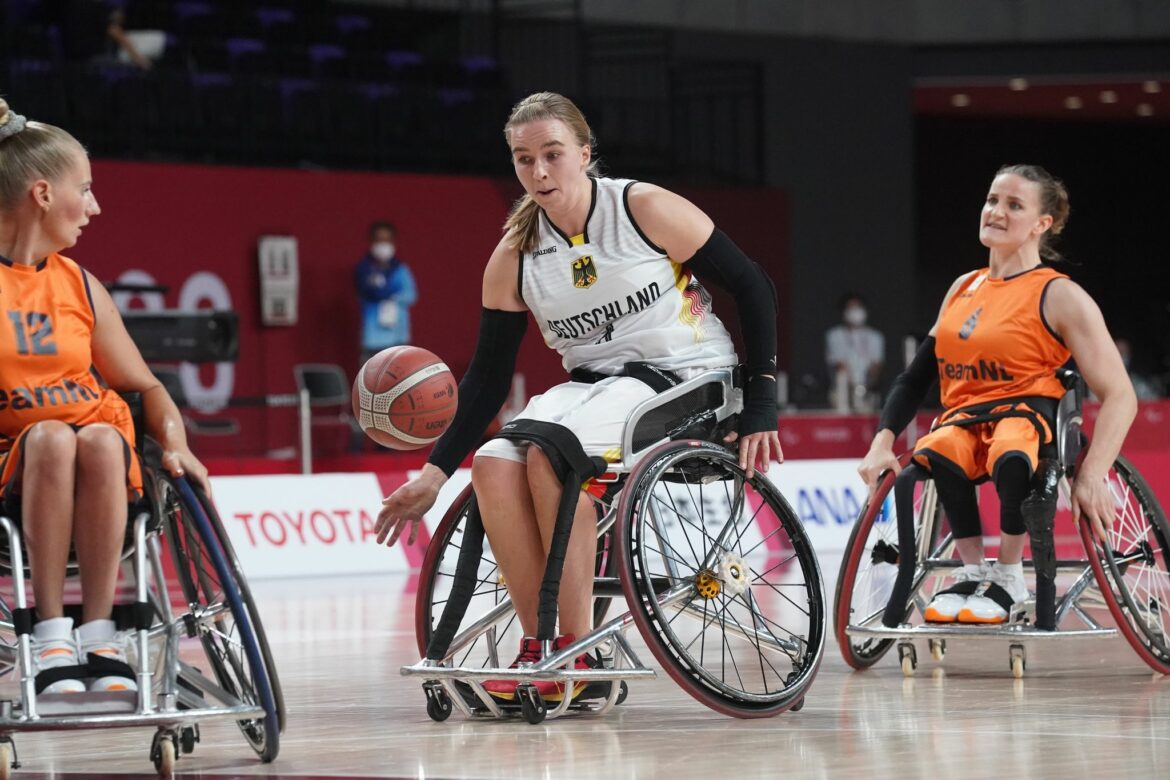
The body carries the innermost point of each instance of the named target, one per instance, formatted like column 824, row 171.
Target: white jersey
column 609, row 296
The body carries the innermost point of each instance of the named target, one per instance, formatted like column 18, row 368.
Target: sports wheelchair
column 716, row 570
column 1129, row 576
column 199, row 648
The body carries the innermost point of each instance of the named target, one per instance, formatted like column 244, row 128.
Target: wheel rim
column 746, row 624
column 870, row 567
column 216, row 625
column 1135, row 577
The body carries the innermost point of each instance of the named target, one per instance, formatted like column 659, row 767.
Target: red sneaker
column 529, row 654
column 555, row 691
column 549, row 690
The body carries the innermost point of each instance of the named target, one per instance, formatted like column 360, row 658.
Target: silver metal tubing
column 143, row 635
column 1012, row 632
column 305, row 431
column 524, row 674
column 1073, row 594
column 164, row 719
column 28, row 683
column 755, row 637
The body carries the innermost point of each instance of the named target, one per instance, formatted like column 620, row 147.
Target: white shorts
column 595, row 413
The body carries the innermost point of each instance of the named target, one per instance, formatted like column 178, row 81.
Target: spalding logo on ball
column 404, row 398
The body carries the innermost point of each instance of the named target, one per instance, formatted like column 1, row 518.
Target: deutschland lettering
column 67, row 392
column 581, row 325
column 983, row 371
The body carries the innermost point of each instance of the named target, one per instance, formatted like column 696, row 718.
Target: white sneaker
column 946, row 605
column 998, row 595
column 104, row 648
column 53, row 647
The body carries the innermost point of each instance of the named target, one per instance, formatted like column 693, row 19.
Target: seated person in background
column 1001, row 334
column 68, row 465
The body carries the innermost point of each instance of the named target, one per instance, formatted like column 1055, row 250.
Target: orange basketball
column 404, row 398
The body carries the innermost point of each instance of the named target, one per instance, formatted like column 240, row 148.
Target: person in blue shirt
column 386, row 289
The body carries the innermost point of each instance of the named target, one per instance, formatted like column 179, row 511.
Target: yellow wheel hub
column 707, row 584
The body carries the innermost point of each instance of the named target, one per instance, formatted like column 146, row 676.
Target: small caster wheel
column 938, row 649
column 162, row 753
column 1018, row 661
column 438, row 703
column 909, row 658
column 798, row 706
column 188, row 736
column 531, row 703
column 623, row 692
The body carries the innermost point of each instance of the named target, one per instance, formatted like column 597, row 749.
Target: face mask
column 855, row 316
column 382, row 250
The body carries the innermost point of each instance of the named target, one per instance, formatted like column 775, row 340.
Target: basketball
column 404, row 397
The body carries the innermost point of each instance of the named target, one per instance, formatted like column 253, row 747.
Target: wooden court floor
column 1084, row 709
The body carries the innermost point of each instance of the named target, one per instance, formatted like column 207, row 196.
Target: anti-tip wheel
column 532, row 705
column 938, row 649
column 909, row 659
column 438, row 705
column 798, row 706
column 5, row 761
column 623, row 692
column 1018, row 662
column 164, row 757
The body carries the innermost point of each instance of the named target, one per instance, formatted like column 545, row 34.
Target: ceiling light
column 959, row 100
column 1072, row 102
column 1145, row 109
column 1108, row 96
column 1151, row 87
column 1018, row 85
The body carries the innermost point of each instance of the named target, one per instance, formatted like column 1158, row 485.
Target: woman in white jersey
column 605, row 266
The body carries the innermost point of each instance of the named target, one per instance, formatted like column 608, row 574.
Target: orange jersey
column 46, row 363
column 992, row 341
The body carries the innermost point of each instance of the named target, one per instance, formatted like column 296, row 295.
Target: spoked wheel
column 721, row 580
column 222, row 613
column 870, row 566
column 1133, row 570
column 496, row 646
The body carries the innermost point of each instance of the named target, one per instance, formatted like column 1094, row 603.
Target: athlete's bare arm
column 1076, row 318
column 120, row 363
column 669, row 220
column 500, row 279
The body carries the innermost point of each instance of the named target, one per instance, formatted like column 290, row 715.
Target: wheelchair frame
column 1087, row 590
column 443, row 678
column 173, row 695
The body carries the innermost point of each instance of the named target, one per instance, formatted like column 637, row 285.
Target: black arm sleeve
column 910, row 388
column 721, row 261
column 484, row 387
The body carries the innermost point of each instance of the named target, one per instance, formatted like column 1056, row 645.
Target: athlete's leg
column 575, row 606
column 99, row 525
column 505, row 504
column 47, row 489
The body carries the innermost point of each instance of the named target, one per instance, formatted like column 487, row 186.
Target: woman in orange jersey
column 68, row 466
column 1001, row 334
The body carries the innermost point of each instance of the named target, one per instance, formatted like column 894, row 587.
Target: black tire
column 682, row 525
column 869, row 565
column 223, row 612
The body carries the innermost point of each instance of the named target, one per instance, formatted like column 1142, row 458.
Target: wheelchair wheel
column 438, row 574
column 870, row 566
column 222, row 613
column 721, row 580
column 1133, row 570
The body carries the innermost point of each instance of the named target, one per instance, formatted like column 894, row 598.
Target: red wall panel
column 175, row 221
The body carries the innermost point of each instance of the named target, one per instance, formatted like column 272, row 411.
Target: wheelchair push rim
column 1133, row 570
column 732, row 591
column 228, row 627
